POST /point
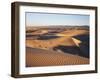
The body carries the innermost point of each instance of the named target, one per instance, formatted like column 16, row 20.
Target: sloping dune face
column 50, row 43
column 40, row 57
column 56, row 46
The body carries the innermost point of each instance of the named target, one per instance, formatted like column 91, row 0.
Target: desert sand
column 40, row 57
column 51, row 47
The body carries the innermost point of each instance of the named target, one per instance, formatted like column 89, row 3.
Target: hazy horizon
column 45, row 19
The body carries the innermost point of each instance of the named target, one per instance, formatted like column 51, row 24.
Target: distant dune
column 73, row 32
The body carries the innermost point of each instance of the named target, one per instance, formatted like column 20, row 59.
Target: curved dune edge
column 38, row 57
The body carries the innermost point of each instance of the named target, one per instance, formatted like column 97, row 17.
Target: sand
column 40, row 57
column 67, row 49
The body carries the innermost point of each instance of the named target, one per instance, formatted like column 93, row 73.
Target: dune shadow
column 83, row 38
column 68, row 49
column 84, row 46
column 47, row 37
column 31, row 37
column 83, row 50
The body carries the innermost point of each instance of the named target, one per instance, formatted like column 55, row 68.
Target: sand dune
column 65, row 38
column 49, row 47
column 50, row 43
column 40, row 57
column 73, row 33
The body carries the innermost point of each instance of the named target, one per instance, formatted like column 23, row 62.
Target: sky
column 39, row 19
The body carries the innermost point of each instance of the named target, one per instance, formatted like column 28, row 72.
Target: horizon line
column 55, row 25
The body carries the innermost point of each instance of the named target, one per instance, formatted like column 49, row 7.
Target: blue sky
column 39, row 19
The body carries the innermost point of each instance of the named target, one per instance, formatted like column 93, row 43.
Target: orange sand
column 39, row 57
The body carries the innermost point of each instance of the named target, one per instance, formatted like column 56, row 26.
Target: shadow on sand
column 83, row 50
column 84, row 46
column 83, row 38
column 47, row 37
